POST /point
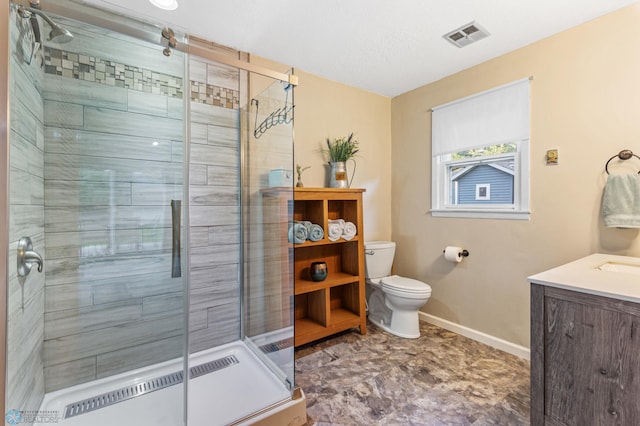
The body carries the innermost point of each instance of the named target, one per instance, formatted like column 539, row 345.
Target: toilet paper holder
column 463, row 253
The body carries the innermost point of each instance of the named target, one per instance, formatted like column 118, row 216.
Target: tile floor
column 441, row 378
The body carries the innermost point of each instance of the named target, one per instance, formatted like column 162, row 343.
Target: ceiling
column 384, row 46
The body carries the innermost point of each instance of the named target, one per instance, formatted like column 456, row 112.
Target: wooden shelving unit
column 337, row 303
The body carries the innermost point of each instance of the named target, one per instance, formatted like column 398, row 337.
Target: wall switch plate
column 552, row 157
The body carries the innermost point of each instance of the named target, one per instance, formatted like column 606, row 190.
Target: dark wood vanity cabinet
column 585, row 359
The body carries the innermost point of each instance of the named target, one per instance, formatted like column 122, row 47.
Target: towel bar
column 625, row 154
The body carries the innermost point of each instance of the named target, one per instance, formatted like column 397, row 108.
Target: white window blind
column 499, row 115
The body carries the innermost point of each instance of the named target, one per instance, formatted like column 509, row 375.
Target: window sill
column 482, row 214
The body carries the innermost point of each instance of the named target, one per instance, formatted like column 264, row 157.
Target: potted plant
column 340, row 151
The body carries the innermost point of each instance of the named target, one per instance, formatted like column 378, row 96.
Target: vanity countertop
column 607, row 275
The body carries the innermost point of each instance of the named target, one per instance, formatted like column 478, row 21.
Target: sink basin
column 600, row 274
column 625, row 268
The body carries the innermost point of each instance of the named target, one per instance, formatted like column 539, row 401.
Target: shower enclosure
column 146, row 280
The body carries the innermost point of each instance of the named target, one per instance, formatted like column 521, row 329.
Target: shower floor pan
column 237, row 387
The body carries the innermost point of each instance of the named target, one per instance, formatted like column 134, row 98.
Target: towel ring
column 625, row 154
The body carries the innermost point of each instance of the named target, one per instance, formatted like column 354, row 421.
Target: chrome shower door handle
column 27, row 257
column 176, row 206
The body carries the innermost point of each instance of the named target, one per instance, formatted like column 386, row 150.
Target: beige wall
column 325, row 108
column 585, row 101
column 328, row 109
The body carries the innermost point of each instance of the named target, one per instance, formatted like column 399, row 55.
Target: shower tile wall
column 113, row 162
column 112, row 165
column 25, row 325
column 214, row 205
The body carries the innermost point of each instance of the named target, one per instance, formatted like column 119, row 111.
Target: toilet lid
column 405, row 284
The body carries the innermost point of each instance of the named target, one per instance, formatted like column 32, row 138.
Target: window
column 483, row 191
column 472, row 173
column 481, row 155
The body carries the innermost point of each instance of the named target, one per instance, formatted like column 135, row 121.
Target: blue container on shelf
column 318, row 271
column 280, row 177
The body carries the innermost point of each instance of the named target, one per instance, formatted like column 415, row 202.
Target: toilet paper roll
column 453, row 254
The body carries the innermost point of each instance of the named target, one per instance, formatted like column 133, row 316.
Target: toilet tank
column 378, row 258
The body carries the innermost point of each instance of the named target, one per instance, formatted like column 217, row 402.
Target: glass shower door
column 268, row 214
column 228, row 382
column 97, row 330
column 96, row 184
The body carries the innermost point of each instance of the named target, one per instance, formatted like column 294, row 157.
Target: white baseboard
column 496, row 342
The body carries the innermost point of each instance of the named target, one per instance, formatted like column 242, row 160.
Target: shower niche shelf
column 337, row 303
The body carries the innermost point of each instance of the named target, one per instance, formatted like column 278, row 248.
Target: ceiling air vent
column 466, row 34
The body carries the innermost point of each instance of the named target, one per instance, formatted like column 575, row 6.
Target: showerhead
column 57, row 33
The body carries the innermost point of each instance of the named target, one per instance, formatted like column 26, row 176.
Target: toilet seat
column 405, row 286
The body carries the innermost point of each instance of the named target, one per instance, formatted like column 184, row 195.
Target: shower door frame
column 194, row 46
column 4, row 191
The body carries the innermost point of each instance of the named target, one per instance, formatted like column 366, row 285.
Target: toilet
column 392, row 301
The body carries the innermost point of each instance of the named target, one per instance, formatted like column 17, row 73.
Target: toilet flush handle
column 369, row 252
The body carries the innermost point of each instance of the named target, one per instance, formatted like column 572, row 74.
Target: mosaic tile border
column 103, row 71
column 215, row 95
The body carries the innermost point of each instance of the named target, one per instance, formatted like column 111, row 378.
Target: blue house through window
column 484, row 183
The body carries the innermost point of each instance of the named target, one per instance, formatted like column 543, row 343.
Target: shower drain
column 210, row 367
column 139, row 389
column 277, row 346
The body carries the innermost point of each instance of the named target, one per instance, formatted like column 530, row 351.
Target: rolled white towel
column 340, row 222
column 349, row 231
column 335, row 230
